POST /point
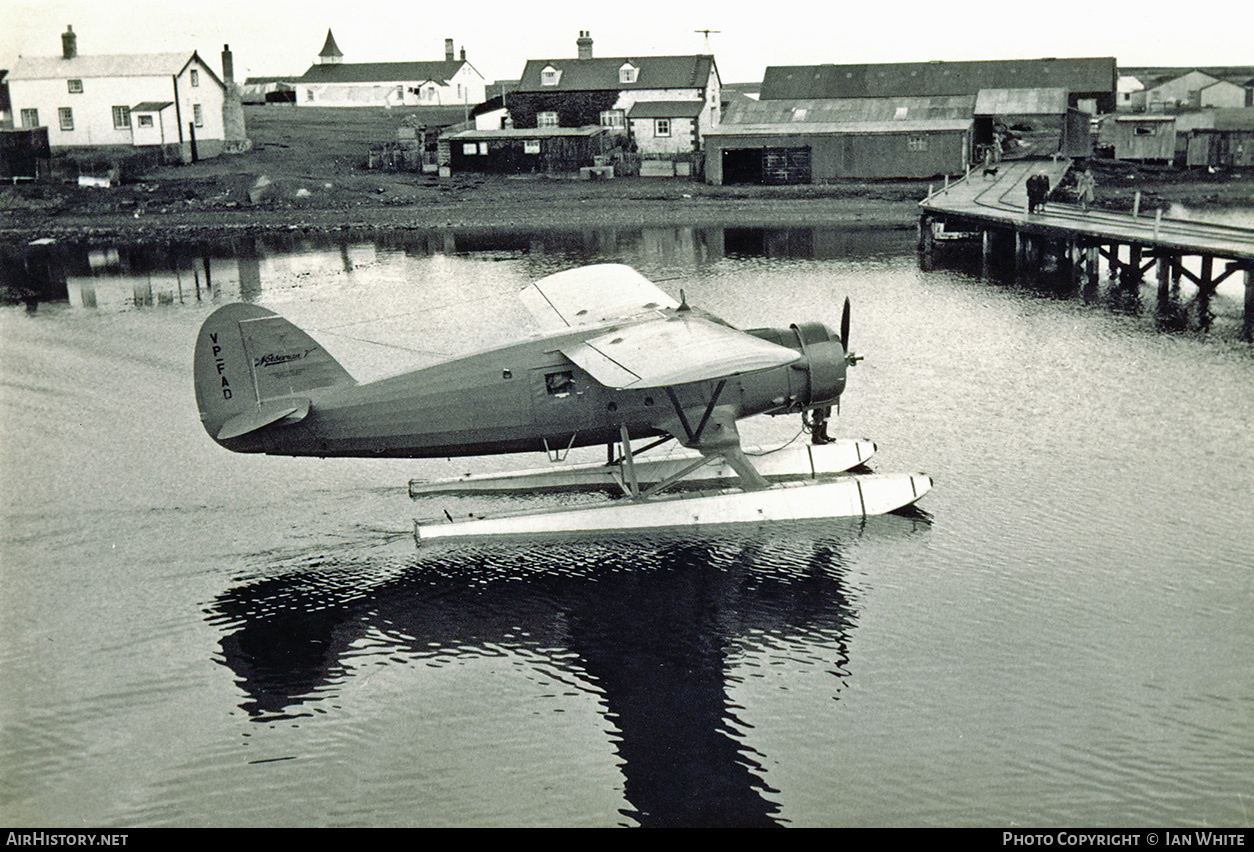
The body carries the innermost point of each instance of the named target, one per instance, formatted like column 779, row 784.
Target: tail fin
column 253, row 368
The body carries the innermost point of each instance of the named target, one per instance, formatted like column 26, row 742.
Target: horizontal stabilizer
column 270, row 411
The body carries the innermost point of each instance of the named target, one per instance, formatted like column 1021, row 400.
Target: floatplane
column 620, row 363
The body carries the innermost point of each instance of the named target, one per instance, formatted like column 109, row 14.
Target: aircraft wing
column 674, row 350
column 592, row 295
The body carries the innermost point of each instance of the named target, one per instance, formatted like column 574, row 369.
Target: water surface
column 1060, row 635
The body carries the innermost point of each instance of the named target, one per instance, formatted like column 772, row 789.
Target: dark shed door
column 785, row 165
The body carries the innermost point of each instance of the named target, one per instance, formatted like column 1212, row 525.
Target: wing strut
column 694, row 438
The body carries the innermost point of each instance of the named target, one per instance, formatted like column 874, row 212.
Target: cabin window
column 30, row 118
column 66, row 116
column 627, row 73
column 560, row 384
column 195, row 77
column 546, row 119
column 145, row 121
column 662, row 127
column 916, row 142
column 121, row 117
column 550, row 76
column 75, row 86
column 198, row 115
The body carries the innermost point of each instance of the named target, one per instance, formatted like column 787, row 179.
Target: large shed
column 820, row 140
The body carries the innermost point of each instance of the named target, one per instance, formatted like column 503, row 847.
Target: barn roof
column 828, row 110
column 1021, row 102
column 654, row 72
column 837, row 128
column 1083, row 75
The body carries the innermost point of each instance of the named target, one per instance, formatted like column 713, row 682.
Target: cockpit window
column 560, row 384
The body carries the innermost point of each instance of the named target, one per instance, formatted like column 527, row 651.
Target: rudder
column 246, row 358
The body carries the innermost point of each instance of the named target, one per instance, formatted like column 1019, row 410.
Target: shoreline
column 498, row 204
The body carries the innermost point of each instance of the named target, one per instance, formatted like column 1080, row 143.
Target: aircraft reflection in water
column 653, row 624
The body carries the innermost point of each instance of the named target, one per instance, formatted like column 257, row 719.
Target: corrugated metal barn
column 820, row 140
column 1088, row 81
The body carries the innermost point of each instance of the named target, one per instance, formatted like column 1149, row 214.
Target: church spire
column 330, row 54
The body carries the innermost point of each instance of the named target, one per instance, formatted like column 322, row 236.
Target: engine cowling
column 821, row 368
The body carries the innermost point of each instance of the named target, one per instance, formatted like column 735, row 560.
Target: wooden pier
column 993, row 209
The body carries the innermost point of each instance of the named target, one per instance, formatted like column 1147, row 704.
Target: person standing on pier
column 1037, row 187
column 1085, row 187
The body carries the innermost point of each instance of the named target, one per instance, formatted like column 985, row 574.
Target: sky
column 283, row 37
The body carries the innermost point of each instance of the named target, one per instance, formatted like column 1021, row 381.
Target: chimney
column 463, row 54
column 69, row 43
column 448, row 49
column 585, row 44
column 228, row 65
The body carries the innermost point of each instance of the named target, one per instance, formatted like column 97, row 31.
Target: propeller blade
column 844, row 325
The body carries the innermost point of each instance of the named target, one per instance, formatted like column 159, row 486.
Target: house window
column 546, row 119
column 627, row 73
column 309, row 95
column 145, row 121
column 30, row 118
column 198, row 115
column 121, row 117
column 662, row 127
column 195, row 77
column 66, row 115
column 75, row 86
column 614, row 118
column 916, row 142
column 1144, row 130
column 531, row 146
column 550, row 76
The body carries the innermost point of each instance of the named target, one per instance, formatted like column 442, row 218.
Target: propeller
column 850, row 358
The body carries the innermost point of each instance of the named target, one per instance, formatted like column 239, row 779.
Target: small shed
column 24, row 153
column 532, row 150
column 1144, row 137
column 1223, row 137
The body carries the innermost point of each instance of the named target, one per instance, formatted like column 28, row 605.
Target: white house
column 331, row 82
column 172, row 100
